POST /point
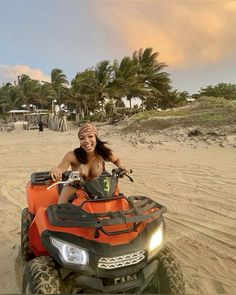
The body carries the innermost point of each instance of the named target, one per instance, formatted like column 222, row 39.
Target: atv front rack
column 141, row 209
column 40, row 178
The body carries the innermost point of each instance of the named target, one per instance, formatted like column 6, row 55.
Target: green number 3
column 106, row 185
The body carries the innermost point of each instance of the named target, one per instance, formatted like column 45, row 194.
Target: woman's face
column 88, row 142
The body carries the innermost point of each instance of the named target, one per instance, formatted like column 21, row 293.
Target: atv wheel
column 26, row 219
column 169, row 276
column 41, row 277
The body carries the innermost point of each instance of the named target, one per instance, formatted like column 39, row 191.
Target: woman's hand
column 56, row 174
column 126, row 170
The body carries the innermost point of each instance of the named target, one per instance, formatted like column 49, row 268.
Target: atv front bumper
column 129, row 283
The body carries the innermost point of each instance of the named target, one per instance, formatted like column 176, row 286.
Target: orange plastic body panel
column 41, row 223
column 38, row 196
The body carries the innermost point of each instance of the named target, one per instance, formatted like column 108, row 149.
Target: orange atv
column 100, row 242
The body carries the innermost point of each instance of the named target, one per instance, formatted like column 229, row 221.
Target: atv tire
column 169, row 276
column 41, row 277
column 26, row 219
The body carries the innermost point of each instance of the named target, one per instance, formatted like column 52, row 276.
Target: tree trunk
column 130, row 104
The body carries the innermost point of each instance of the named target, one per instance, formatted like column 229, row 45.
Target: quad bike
column 100, row 242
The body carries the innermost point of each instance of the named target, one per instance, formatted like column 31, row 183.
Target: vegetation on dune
column 225, row 90
column 206, row 111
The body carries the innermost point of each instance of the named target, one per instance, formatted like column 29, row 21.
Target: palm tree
column 59, row 84
column 3, row 96
column 9, row 98
column 29, row 91
column 45, row 95
column 157, row 81
column 126, row 82
column 91, row 87
column 22, row 79
column 81, row 90
column 100, row 82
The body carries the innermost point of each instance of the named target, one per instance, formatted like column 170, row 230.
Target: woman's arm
column 56, row 172
column 117, row 161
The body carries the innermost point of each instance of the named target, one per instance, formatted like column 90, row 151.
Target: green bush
column 97, row 117
column 215, row 102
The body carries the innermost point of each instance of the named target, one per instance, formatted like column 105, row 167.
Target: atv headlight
column 70, row 253
column 156, row 241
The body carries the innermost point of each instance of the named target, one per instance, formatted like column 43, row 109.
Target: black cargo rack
column 40, row 178
column 141, row 209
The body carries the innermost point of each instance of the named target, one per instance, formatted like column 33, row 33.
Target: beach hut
column 26, row 119
column 39, row 115
column 17, row 115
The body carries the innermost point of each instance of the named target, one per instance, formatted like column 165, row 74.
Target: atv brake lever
column 122, row 174
column 73, row 177
column 56, row 183
column 130, row 178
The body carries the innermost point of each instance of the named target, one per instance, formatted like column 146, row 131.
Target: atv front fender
column 38, row 196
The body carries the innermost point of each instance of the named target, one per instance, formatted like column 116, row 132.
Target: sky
column 195, row 38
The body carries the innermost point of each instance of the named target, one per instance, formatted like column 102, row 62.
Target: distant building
column 18, row 115
column 190, row 99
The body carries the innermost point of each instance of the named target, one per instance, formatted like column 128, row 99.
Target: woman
column 89, row 159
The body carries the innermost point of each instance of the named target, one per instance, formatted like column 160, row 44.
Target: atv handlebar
column 119, row 172
column 69, row 177
column 74, row 177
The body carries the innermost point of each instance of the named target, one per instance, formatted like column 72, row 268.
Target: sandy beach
column 196, row 182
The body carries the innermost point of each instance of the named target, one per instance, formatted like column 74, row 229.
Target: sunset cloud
column 195, row 38
column 10, row 73
column 185, row 33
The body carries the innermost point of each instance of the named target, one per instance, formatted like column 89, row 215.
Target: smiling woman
column 89, row 159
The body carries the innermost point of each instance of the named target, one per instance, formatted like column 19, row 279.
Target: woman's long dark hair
column 101, row 148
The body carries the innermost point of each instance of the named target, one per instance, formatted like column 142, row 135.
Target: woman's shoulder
column 70, row 155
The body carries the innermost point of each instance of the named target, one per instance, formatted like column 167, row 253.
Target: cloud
column 185, row 33
column 10, row 73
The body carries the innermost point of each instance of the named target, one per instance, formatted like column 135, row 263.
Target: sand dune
column 195, row 183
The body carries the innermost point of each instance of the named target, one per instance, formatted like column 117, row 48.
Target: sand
column 197, row 184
